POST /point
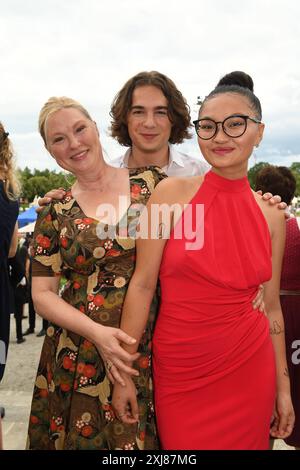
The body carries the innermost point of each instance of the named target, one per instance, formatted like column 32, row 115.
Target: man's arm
column 47, row 199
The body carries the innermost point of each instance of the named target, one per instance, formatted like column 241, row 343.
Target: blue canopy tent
column 27, row 216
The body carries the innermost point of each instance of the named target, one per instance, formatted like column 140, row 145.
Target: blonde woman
column 71, row 403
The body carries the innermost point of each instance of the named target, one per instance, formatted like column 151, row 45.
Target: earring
column 254, row 155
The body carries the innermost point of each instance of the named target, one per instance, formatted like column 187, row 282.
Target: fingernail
column 133, row 340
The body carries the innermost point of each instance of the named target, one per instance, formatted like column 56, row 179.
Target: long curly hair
column 7, row 166
column 178, row 109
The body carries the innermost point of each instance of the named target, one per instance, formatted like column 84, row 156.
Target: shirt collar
column 125, row 158
column 174, row 157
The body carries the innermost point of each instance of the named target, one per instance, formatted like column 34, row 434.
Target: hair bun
column 237, row 78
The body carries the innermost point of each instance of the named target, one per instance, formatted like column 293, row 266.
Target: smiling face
column 73, row 140
column 149, row 126
column 229, row 156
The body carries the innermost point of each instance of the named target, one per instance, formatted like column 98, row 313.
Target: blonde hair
column 56, row 103
column 7, row 166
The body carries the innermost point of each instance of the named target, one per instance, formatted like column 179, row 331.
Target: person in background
column 31, row 309
column 9, row 209
column 19, row 287
column 281, row 180
column 210, row 348
column 43, row 330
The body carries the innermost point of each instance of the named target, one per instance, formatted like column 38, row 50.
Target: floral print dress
column 71, row 406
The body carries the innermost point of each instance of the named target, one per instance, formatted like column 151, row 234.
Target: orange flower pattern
column 71, row 406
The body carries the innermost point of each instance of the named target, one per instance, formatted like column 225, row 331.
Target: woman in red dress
column 219, row 375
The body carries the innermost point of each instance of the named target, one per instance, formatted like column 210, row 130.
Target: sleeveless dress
column 71, row 406
column 290, row 304
column 9, row 211
column 214, row 366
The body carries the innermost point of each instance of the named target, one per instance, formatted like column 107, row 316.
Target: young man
column 149, row 114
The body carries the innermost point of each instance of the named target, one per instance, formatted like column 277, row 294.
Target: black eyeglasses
column 233, row 126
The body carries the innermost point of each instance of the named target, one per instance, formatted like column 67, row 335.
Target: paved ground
column 17, row 385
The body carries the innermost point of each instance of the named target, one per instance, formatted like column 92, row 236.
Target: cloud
column 88, row 49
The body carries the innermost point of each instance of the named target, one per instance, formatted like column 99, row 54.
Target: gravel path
column 17, row 385
column 22, row 360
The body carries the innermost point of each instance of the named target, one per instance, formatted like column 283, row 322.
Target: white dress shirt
column 180, row 164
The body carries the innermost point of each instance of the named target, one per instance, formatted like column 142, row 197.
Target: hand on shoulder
column 275, row 218
column 49, row 196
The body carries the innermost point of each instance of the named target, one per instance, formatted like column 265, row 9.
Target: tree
column 39, row 182
column 295, row 169
column 35, row 186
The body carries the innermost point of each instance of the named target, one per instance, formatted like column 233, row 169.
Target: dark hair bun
column 237, row 78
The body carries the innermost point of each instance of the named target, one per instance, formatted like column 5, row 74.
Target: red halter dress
column 214, row 367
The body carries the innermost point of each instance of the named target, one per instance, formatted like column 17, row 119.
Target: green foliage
column 39, row 182
column 295, row 169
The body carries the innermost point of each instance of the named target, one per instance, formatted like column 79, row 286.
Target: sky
column 87, row 50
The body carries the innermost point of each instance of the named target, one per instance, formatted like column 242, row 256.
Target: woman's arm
column 155, row 229
column 107, row 340
column 14, row 242
column 284, row 415
column 134, row 318
column 142, row 287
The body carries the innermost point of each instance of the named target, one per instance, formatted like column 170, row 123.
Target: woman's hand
column 124, row 402
column 108, row 342
column 283, row 417
column 258, row 302
column 53, row 194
